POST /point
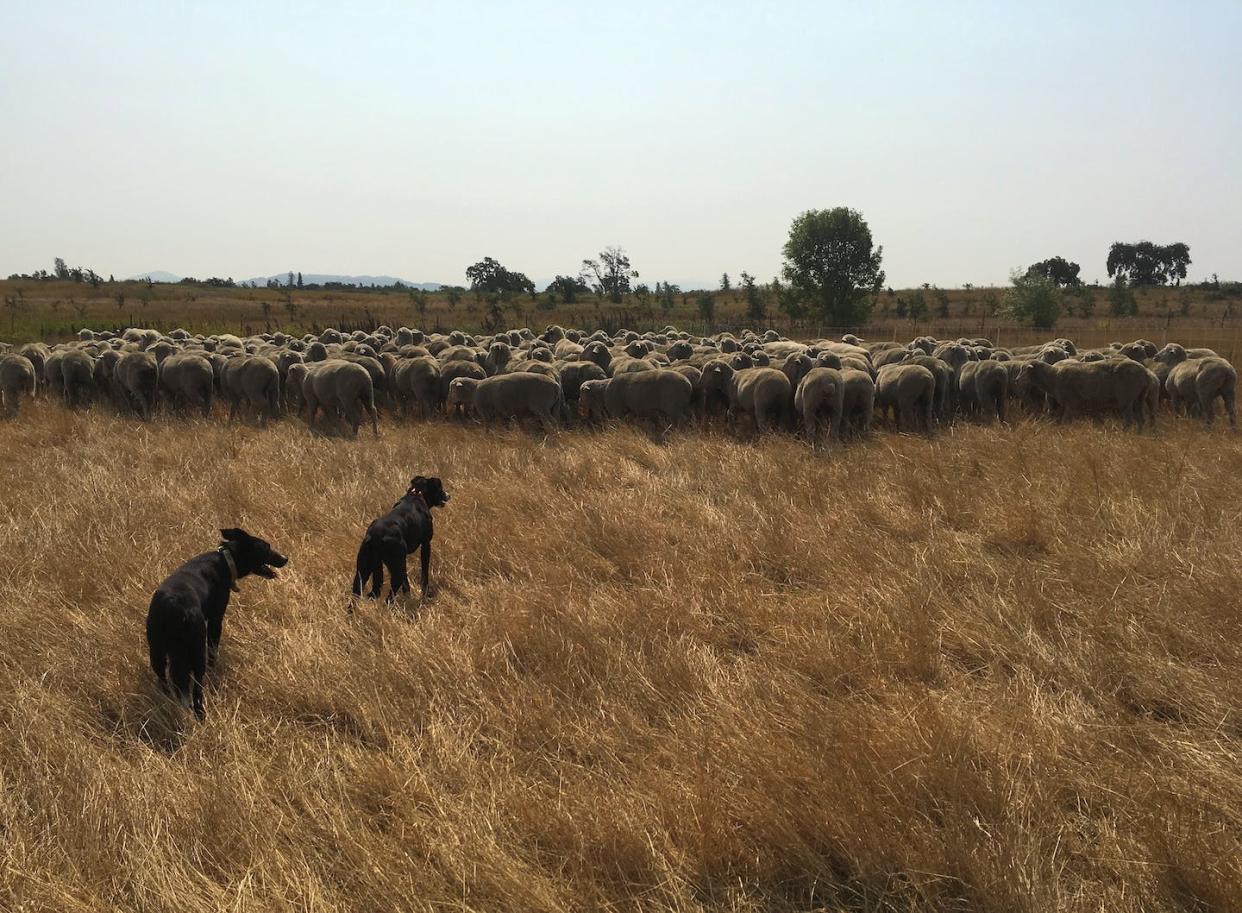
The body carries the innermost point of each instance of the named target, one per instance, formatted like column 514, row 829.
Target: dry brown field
column 997, row 670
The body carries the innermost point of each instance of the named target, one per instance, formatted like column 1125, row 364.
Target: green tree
column 725, row 285
column 788, row 299
column 1081, row 301
column 610, row 275
column 706, row 305
column 488, row 277
column 1060, row 271
column 756, row 306
column 832, row 265
column 942, row 302
column 567, row 288
column 667, row 296
column 1145, row 263
column 917, row 305
column 1121, row 302
column 991, row 302
column 1033, row 300
column 299, row 279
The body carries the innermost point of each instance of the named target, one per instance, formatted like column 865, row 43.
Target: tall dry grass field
column 1000, row 670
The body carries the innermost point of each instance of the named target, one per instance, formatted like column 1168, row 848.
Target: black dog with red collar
column 396, row 535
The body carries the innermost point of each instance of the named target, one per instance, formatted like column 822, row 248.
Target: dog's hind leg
column 159, row 662
column 377, row 578
column 179, row 674
column 394, row 560
column 368, row 567
column 198, row 670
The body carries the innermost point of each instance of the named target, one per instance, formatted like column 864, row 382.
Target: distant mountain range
column 160, row 275
column 321, row 278
column 157, row 275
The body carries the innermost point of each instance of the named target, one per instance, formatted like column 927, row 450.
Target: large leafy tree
column 1061, row 272
column 610, row 275
column 489, row 277
column 1145, row 263
column 832, row 266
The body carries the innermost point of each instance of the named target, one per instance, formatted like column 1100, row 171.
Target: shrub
column 1033, row 300
column 1121, row 302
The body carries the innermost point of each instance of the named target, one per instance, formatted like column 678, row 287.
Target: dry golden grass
column 1000, row 670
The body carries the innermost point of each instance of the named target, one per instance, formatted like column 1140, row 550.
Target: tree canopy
column 488, row 276
column 567, row 288
column 1145, row 263
column 832, row 267
column 1061, row 272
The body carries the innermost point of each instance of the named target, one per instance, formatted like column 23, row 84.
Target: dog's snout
column 278, row 560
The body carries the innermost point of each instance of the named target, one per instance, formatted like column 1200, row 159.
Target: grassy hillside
column 56, row 310
column 998, row 671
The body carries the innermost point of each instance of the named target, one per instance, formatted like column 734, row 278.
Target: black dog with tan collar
column 186, row 617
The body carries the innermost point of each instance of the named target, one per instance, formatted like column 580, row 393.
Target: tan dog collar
column 228, row 559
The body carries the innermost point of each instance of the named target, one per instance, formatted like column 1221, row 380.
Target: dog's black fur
column 187, row 611
column 405, row 528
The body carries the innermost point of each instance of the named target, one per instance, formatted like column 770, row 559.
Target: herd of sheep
column 823, row 388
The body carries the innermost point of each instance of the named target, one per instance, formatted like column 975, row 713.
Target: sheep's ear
column 233, row 534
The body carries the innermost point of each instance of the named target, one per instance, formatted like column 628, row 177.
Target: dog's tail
column 369, row 563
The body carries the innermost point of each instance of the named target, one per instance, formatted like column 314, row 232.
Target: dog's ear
column 418, row 483
column 232, row 535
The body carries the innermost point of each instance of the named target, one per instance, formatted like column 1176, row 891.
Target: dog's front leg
column 215, row 626
column 425, row 561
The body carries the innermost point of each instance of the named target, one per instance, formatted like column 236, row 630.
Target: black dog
column 397, row 534
column 187, row 611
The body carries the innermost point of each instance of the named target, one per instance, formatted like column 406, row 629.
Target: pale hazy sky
column 249, row 138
